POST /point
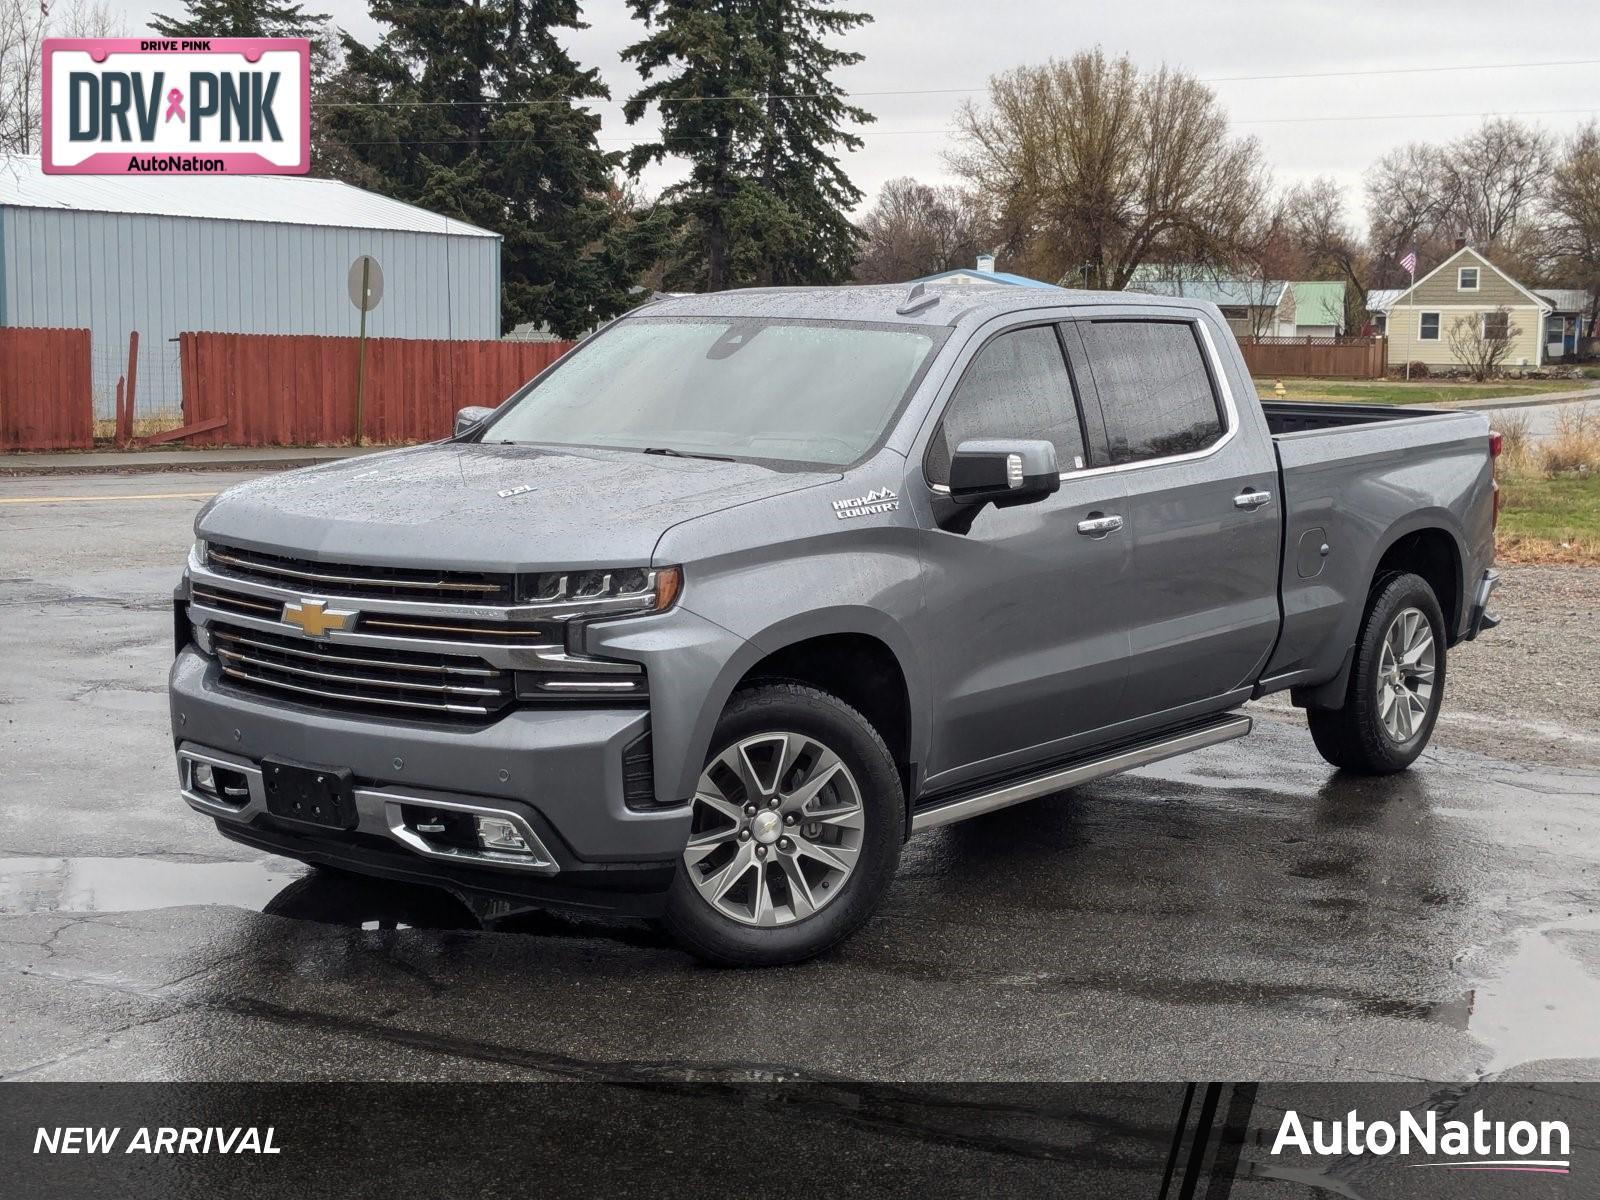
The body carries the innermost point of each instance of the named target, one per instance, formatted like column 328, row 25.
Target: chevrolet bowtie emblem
column 316, row 619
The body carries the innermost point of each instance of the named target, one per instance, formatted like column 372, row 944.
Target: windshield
column 791, row 391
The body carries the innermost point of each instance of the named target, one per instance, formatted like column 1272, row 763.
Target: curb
column 1523, row 401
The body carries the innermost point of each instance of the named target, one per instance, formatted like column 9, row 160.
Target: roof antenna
column 916, row 300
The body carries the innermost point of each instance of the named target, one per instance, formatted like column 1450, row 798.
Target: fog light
column 204, row 780
column 497, row 833
column 202, row 638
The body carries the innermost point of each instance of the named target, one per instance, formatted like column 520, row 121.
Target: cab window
column 1018, row 386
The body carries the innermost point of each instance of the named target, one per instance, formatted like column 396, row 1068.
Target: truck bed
column 1289, row 417
column 1353, row 478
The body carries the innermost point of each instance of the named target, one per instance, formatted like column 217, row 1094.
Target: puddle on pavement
column 1542, row 1003
column 94, row 885
column 108, row 885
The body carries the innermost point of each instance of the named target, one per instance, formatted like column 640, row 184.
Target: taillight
column 1496, row 441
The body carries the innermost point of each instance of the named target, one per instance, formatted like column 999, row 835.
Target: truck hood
column 487, row 507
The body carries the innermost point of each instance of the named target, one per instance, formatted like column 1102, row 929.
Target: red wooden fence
column 295, row 390
column 1351, row 358
column 46, row 400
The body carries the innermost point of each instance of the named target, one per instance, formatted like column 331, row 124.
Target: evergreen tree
column 241, row 18
column 473, row 110
column 745, row 94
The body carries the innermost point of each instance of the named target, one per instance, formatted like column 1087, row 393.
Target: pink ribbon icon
column 175, row 105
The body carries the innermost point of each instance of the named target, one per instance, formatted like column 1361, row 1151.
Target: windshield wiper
column 669, row 452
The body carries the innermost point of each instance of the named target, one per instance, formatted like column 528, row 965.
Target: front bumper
column 558, row 773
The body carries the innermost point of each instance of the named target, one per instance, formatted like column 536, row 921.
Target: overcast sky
column 944, row 50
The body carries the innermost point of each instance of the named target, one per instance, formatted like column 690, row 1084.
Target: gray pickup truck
column 712, row 615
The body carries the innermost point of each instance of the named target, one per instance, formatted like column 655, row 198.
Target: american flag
column 1409, row 262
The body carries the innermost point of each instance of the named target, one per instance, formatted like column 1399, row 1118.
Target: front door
column 1022, row 612
column 1203, row 515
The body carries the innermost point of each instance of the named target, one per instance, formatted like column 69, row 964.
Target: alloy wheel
column 1406, row 674
column 777, row 829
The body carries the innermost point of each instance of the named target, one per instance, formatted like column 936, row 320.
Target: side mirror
column 1003, row 473
column 467, row 417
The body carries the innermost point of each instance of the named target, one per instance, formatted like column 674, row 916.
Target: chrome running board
column 1224, row 730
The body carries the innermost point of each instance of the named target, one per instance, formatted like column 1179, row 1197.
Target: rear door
column 1201, row 510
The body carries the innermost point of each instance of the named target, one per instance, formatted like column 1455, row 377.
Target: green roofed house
column 1318, row 308
column 1253, row 307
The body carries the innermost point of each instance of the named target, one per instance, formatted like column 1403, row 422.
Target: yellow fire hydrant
column 1278, row 389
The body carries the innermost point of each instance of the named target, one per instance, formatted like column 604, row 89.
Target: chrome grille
column 237, row 602
column 458, row 629
column 343, row 579
column 345, row 675
column 547, row 635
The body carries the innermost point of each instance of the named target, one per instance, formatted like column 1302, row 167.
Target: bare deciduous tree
column 1481, row 342
column 23, row 28
column 1488, row 187
column 1495, row 178
column 1409, row 207
column 1575, row 212
column 1329, row 246
column 1264, row 260
column 89, row 19
column 22, row 32
column 1093, row 167
column 915, row 229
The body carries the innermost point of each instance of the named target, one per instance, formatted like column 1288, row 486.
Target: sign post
column 366, row 289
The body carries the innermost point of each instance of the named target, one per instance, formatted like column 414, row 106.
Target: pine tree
column 474, row 110
column 241, row 18
column 746, row 95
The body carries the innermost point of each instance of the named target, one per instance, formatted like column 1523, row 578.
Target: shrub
column 1419, row 370
column 1575, row 444
column 1514, row 446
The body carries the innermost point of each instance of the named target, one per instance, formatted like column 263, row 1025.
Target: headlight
column 200, row 552
column 625, row 589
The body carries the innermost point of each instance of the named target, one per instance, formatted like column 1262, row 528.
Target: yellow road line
column 91, row 499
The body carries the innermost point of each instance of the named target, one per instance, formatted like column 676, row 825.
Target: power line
column 1571, row 62
column 759, row 97
column 866, row 133
column 1526, row 112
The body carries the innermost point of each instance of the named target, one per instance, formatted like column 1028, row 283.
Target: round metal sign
column 366, row 297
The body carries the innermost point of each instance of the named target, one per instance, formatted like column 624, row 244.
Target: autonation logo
column 1476, row 1145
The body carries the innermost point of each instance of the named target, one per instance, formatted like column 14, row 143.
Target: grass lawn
column 1388, row 391
column 1550, row 520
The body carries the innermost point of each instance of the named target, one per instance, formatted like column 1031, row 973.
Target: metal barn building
column 239, row 254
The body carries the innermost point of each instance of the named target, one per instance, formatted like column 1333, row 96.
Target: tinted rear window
column 1155, row 390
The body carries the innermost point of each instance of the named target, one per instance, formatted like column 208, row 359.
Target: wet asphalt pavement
column 1243, row 913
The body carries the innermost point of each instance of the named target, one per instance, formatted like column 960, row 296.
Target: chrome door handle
column 1099, row 526
column 1252, row 500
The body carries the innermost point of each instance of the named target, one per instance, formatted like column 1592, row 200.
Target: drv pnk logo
column 165, row 106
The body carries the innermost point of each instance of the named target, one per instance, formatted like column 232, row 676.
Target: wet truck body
column 873, row 561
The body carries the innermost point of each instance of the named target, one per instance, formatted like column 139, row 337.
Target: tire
column 771, row 747
column 1361, row 736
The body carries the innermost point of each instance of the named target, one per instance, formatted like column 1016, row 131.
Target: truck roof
column 881, row 302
